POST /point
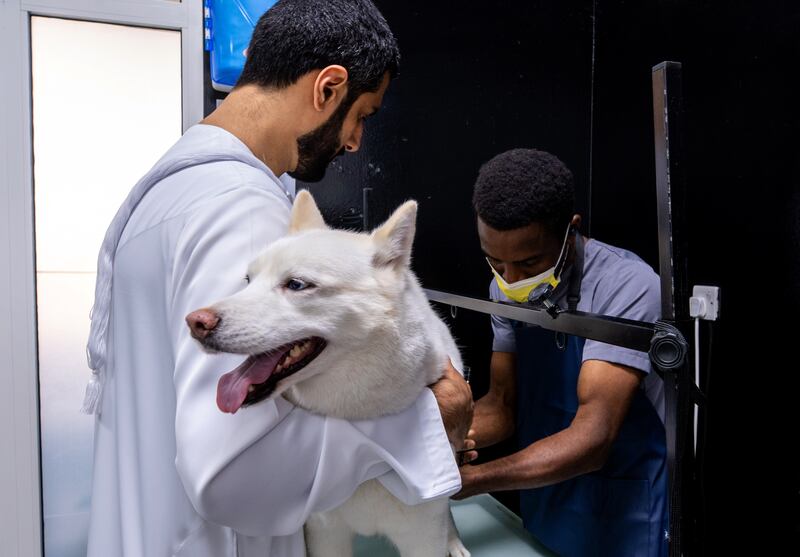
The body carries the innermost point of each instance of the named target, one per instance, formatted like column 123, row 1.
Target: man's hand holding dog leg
column 454, row 397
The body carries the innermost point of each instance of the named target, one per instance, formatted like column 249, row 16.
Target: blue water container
column 228, row 26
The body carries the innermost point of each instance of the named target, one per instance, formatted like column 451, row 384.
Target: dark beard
column 317, row 148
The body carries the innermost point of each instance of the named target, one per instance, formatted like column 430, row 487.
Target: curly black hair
column 295, row 37
column 523, row 186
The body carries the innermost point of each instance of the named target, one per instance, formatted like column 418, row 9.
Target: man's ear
column 394, row 238
column 305, row 214
column 330, row 87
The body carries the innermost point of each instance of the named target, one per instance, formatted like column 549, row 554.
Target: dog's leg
column 454, row 546
column 420, row 535
column 328, row 536
column 421, row 545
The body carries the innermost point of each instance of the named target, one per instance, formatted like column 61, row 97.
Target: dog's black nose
column 202, row 322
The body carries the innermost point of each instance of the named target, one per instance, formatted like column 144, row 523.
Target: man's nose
column 352, row 145
column 512, row 275
column 202, row 322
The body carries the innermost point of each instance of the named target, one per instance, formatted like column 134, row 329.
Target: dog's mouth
column 258, row 375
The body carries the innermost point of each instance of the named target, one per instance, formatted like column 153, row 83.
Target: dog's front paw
column 456, row 549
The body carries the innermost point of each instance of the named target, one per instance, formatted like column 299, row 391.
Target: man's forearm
column 493, row 421
column 568, row 453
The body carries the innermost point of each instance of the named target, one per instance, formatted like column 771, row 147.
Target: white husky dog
column 337, row 323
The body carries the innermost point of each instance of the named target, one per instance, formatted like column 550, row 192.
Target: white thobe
column 174, row 476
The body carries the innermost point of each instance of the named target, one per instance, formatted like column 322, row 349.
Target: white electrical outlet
column 704, row 302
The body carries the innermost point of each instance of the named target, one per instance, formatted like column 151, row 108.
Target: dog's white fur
column 385, row 344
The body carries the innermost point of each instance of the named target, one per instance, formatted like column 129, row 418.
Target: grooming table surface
column 487, row 528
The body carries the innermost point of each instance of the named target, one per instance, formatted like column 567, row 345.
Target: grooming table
column 487, row 528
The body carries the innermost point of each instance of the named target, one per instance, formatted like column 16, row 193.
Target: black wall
column 574, row 78
column 742, row 120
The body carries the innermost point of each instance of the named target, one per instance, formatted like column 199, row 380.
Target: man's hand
column 455, row 404
column 467, row 453
column 470, row 482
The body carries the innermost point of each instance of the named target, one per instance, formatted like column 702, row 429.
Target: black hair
column 524, row 186
column 295, row 37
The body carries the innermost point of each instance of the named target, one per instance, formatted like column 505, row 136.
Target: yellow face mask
column 536, row 288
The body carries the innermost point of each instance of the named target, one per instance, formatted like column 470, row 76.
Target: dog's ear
column 394, row 238
column 305, row 214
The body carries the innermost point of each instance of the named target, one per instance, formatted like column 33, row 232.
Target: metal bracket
column 668, row 348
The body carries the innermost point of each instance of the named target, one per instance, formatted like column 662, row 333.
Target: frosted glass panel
column 106, row 105
column 63, row 299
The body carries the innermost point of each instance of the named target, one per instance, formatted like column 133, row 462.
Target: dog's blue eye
column 297, row 284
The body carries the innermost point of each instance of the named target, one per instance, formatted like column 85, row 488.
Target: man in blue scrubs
column 588, row 416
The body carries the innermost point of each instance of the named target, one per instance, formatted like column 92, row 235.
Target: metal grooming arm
column 664, row 343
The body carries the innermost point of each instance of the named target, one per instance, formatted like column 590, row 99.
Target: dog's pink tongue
column 233, row 387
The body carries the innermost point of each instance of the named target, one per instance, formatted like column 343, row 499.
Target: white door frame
column 20, row 479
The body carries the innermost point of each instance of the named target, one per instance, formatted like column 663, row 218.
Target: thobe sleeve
column 262, row 470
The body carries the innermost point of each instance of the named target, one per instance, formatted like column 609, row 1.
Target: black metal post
column 365, row 216
column 678, row 383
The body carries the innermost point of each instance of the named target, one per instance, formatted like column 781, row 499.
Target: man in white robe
column 174, row 476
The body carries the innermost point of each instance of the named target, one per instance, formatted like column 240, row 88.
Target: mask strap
column 562, row 257
column 576, row 278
